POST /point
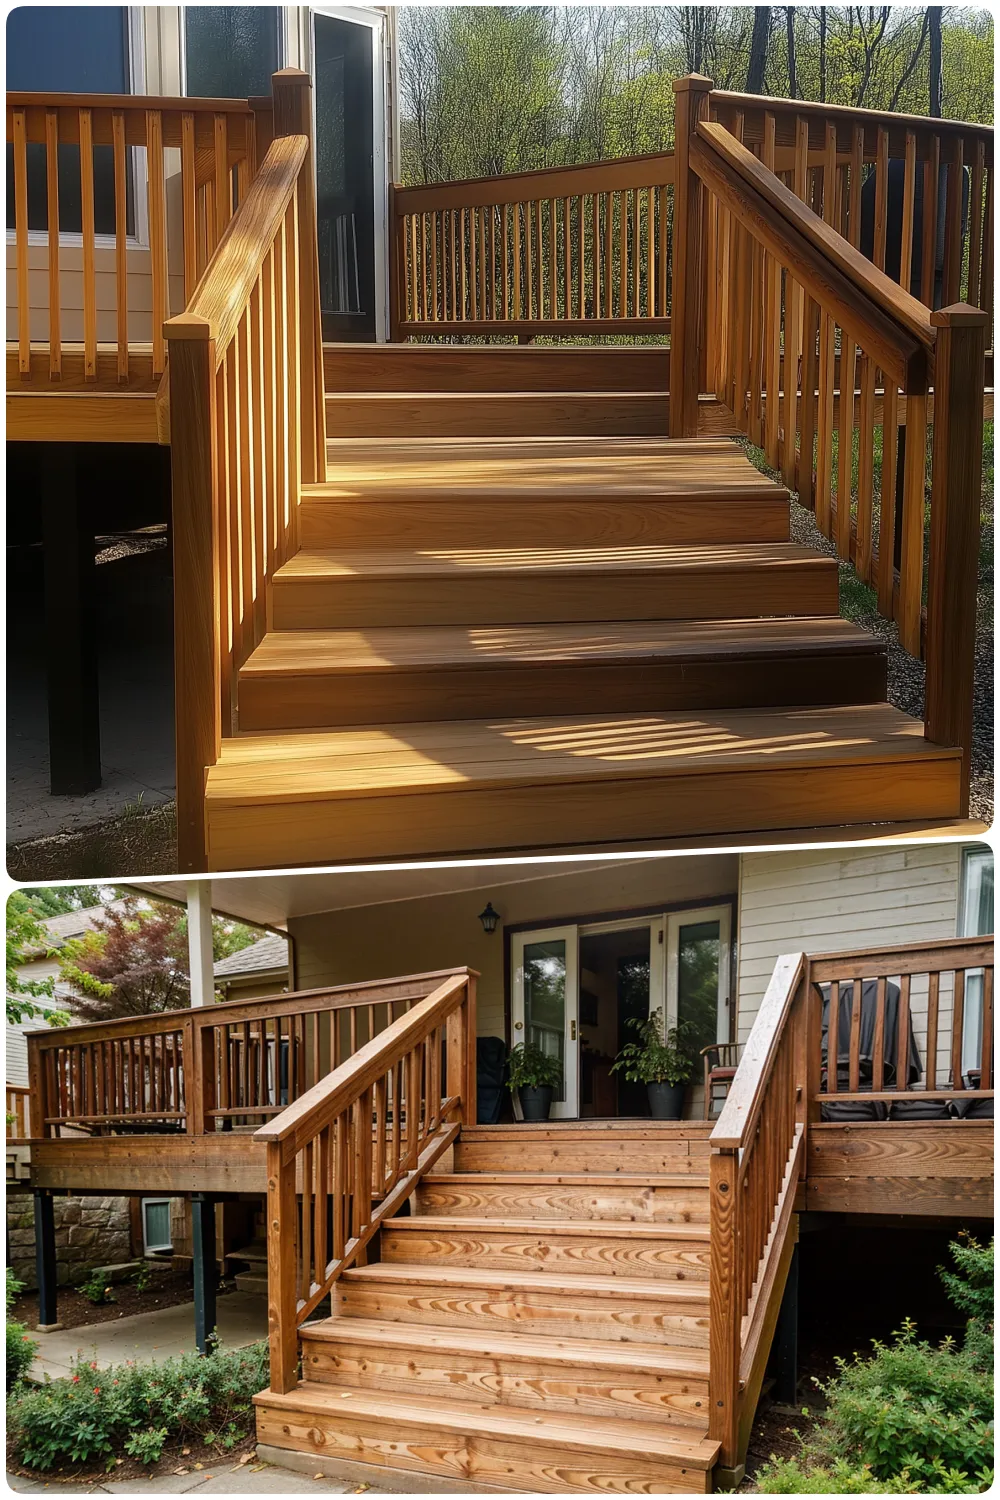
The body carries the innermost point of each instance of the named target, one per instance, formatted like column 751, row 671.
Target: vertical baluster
column 854, row 1056
column 517, row 261
column 957, row 1030
column 933, row 1005
column 824, row 420
column 581, row 262
column 794, row 313
column 258, row 417
column 553, row 261
column 306, row 1240
column 866, row 435
column 52, row 222
column 505, row 257
column 986, row 280
column 908, row 210
column 381, row 1111
column 833, row 1037
column 932, row 163
column 650, row 255
column 664, row 259
column 567, row 261
column 636, row 253
column 223, row 193
column 951, row 276
column 986, row 1047
column 484, row 311
column 623, row 284
column 157, row 210
column 89, row 268
column 606, row 299
column 911, row 566
column 975, row 224
column 434, row 265
column 878, row 1039
column 903, row 1050
column 19, row 133
column 189, row 206
column 493, row 261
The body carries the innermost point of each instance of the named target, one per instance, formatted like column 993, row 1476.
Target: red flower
column 97, row 1390
column 76, row 1380
column 93, row 1364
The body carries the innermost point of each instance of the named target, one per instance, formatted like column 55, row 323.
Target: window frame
column 147, row 1248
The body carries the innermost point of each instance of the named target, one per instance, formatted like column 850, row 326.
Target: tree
column 134, row 962
column 26, row 937
column 790, row 50
column 759, row 41
column 936, row 81
column 56, row 900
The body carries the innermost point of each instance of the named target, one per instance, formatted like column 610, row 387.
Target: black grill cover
column 491, row 1074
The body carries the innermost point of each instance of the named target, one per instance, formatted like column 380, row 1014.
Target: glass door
column 349, row 92
column 544, row 1005
column 698, row 975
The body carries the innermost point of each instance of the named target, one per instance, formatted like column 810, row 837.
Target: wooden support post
column 293, row 116
column 687, row 307
column 45, row 1261
column 956, row 498
column 785, row 1349
column 725, row 1314
column 282, row 1266
column 70, row 625
column 204, row 1267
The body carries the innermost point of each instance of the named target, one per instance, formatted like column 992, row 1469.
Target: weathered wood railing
column 18, row 1112
column 247, row 427
column 352, row 1149
column 206, row 1069
column 899, row 1020
column 781, row 268
column 565, row 250
column 758, row 1157
column 158, row 180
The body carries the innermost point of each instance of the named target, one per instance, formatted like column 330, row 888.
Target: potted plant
column 662, row 1064
column 534, row 1076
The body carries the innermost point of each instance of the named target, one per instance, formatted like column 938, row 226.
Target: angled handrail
column 348, row 1154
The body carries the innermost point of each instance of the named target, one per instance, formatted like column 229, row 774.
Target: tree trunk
column 758, row 48
column 793, row 91
column 934, row 27
column 822, row 54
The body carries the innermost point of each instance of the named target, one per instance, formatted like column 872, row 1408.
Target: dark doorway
column 614, row 988
column 345, row 184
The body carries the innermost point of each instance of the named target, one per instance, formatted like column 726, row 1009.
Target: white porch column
column 199, row 915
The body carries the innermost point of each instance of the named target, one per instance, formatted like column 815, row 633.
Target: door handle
column 572, row 1031
column 518, row 1025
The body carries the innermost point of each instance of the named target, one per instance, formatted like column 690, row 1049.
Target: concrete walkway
column 253, row 1478
column 154, row 1335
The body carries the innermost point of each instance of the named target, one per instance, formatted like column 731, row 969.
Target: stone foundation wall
column 89, row 1232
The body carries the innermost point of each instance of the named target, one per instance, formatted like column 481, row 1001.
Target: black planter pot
column 536, row 1103
column 666, row 1100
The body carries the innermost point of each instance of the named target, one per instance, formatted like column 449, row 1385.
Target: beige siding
column 829, row 901
column 438, row 932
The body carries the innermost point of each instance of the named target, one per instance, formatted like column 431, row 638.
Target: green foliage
column 97, row 1289
column 143, row 1278
column 531, row 1068
column 56, row 900
column 654, row 1059
column 20, row 1348
column 94, row 1414
column 793, row 1476
column 26, row 937
column 970, row 1288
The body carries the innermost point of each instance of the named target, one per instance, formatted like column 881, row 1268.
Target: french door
column 350, row 105
column 576, row 987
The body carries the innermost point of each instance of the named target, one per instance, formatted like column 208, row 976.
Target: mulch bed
column 77, row 1311
column 179, row 1457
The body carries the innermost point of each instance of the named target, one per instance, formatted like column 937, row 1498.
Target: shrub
column 20, row 1348
column 790, row 1476
column 970, row 1288
column 94, row 1414
column 97, row 1288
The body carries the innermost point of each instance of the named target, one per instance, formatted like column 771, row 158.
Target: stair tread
column 400, row 649
column 319, row 565
column 589, row 1228
column 635, row 1289
column 573, row 1179
column 597, row 1353
column 653, row 1440
column 319, row 765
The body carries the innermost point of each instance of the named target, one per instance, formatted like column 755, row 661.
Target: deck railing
column 157, row 180
column 18, row 1113
column 212, row 1068
column 779, row 265
column 565, row 250
column 247, row 427
column 894, row 1047
column 353, row 1148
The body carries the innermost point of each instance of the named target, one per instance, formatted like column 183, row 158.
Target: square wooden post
column 687, row 304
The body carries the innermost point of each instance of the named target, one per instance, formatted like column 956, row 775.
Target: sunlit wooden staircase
column 539, row 1321
column 488, row 641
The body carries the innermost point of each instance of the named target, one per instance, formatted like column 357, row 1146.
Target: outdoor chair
column 721, row 1061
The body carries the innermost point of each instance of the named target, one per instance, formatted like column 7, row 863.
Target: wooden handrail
column 737, row 1121
column 351, row 1151
column 622, row 172
column 850, row 115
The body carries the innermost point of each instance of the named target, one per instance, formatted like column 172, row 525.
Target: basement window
column 156, row 1225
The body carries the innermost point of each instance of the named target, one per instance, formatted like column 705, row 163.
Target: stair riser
column 416, row 367
column 514, row 599
column 506, row 1464
column 624, row 414
column 379, row 697
column 563, row 1255
column 594, row 1152
column 248, row 835
column 635, row 1204
column 508, row 1381
column 473, row 521
column 569, row 1314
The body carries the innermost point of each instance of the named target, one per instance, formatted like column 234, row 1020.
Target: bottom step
column 506, row 1450
column 464, row 786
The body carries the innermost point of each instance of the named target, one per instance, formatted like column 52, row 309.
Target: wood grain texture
column 562, row 1249
column 500, row 414
column 454, row 367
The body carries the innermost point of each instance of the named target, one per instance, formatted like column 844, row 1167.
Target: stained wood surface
column 81, row 417
column 496, row 414
column 456, row 367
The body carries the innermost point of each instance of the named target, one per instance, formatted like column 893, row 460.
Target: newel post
column 687, row 310
column 956, row 497
column 282, row 1261
column 195, row 522
column 725, row 1313
column 293, row 116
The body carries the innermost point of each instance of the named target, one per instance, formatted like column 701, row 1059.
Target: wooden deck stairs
column 539, row 1321
column 499, row 633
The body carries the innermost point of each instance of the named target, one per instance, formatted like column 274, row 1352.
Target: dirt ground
column 76, row 1310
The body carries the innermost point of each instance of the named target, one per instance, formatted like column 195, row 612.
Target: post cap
column 693, row 83
column 959, row 315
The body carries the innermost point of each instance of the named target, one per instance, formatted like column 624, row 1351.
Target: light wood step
column 643, row 1146
column 581, row 1376
column 313, row 796
column 607, row 1307
column 357, row 588
column 484, row 1444
column 297, row 679
column 576, row 491
column 500, row 367
column 620, row 1196
column 496, row 413
column 555, row 1247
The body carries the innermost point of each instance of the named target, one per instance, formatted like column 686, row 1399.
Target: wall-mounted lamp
column 489, row 917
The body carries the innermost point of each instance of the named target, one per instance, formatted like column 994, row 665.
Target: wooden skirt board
column 898, row 1167
column 223, row 1162
column 456, row 367
column 496, row 413
column 642, row 1199
column 81, row 417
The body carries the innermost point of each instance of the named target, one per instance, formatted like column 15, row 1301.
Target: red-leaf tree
column 133, row 963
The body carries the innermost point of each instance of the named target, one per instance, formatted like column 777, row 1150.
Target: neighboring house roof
column 67, row 926
column 268, row 955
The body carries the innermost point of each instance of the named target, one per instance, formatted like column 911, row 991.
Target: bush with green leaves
column 97, row 1288
column 655, row 1058
column 94, row 1414
column 531, row 1068
column 20, row 1347
column 913, row 1416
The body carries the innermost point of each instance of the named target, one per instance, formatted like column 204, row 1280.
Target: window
column 975, row 920
column 156, row 1224
column 231, row 50
column 74, row 50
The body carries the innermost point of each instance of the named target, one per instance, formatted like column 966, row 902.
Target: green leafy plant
column 654, row 1059
column 93, row 1415
column 528, row 1067
column 20, row 1347
column 143, row 1278
column 970, row 1288
column 791, row 1476
column 97, row 1288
